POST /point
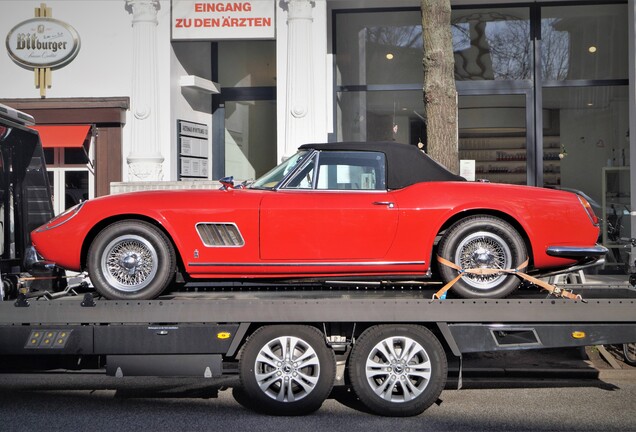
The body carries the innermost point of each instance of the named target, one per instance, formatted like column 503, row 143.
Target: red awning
column 63, row 136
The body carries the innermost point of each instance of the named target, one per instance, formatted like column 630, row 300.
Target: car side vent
column 220, row 235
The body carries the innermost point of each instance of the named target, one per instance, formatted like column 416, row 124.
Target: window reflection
column 382, row 116
column 379, row 48
column 584, row 42
column 492, row 45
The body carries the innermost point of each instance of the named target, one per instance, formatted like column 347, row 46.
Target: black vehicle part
column 287, row 370
column 629, row 353
column 131, row 260
column 482, row 242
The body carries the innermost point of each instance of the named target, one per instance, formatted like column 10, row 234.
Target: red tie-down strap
column 552, row 289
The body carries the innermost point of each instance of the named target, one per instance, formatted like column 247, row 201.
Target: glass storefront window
column 247, row 63
column 250, row 138
column 381, row 116
column 588, row 128
column 247, row 75
column 584, row 42
column 492, row 132
column 379, row 48
column 492, row 44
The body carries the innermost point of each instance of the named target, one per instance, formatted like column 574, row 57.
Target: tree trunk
column 440, row 96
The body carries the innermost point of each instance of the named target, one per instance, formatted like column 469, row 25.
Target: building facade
column 180, row 90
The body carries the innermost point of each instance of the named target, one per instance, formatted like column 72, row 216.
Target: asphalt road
column 98, row 403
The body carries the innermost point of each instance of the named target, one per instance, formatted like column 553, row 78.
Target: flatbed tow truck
column 291, row 346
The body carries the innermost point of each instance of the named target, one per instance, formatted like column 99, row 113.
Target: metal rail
column 601, row 305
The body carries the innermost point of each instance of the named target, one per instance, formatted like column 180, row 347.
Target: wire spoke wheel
column 482, row 242
column 131, row 259
column 130, row 263
column 483, row 250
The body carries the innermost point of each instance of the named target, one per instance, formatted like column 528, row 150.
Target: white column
column 145, row 161
column 299, row 101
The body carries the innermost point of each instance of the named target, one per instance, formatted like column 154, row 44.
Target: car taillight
column 588, row 208
column 3, row 132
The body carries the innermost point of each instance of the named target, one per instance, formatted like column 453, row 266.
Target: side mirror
column 227, row 183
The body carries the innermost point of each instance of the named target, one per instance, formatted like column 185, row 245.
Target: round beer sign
column 43, row 43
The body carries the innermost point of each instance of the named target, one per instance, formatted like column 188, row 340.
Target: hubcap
column 287, row 369
column 483, row 250
column 129, row 263
column 398, row 369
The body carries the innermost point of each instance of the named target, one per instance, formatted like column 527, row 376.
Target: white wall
column 103, row 66
column 322, row 109
column 189, row 58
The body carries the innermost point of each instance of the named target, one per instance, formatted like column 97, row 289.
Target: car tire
column 283, row 381
column 398, row 370
column 131, row 260
column 482, row 242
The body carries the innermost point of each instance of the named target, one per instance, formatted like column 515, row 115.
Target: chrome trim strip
column 53, row 223
column 311, row 264
column 238, row 231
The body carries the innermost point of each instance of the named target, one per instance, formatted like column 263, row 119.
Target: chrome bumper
column 576, row 252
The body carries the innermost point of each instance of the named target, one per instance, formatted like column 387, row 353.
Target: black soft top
column 406, row 164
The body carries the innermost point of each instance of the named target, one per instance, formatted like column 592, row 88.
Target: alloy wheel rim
column 398, row 369
column 287, row 369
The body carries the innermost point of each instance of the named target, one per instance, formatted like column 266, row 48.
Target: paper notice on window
column 467, row 169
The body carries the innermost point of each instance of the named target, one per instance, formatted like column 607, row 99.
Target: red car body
column 288, row 233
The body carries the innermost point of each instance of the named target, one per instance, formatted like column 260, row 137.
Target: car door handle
column 389, row 204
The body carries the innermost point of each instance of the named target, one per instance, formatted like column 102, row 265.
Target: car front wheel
column 482, row 242
column 131, row 260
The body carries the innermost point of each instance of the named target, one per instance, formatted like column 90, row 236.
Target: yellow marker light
column 578, row 335
column 223, row 335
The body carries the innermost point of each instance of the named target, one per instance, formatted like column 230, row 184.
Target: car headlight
column 62, row 218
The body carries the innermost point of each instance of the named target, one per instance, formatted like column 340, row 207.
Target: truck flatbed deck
column 363, row 336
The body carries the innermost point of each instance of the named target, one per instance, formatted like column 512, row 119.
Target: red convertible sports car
column 357, row 211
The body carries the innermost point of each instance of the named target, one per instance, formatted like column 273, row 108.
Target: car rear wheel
column 482, row 242
column 131, row 260
column 398, row 370
column 287, row 370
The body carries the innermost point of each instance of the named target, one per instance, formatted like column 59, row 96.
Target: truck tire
column 287, row 370
column 130, row 260
column 629, row 353
column 398, row 370
column 482, row 242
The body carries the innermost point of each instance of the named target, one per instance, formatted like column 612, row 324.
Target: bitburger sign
column 43, row 43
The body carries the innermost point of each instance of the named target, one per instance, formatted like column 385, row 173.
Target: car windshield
column 272, row 178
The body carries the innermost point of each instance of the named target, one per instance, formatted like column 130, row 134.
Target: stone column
column 299, row 103
column 145, row 161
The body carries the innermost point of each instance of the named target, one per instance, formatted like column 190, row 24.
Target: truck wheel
column 287, row 370
column 131, row 260
column 629, row 353
column 397, row 370
column 482, row 242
